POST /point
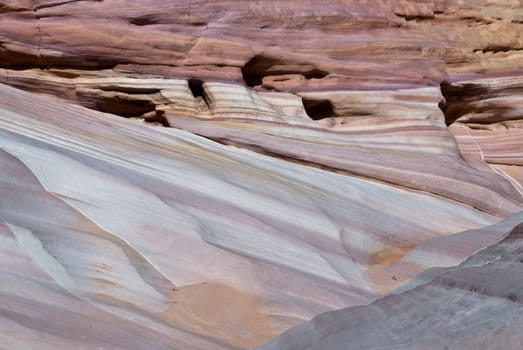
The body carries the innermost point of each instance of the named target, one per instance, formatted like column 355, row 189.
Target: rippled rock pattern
column 476, row 305
column 261, row 174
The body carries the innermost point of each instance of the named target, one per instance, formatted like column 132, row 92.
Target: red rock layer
column 351, row 43
column 208, row 174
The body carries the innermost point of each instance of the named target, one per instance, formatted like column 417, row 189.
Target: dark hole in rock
column 144, row 21
column 315, row 73
column 198, row 23
column 457, row 99
column 124, row 107
column 130, row 89
column 494, row 49
column 197, row 90
column 442, row 105
column 462, row 99
column 255, row 69
column 318, row 109
column 259, row 66
column 196, row 86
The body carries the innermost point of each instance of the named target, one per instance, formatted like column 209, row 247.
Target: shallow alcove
column 123, row 107
column 318, row 108
column 261, row 65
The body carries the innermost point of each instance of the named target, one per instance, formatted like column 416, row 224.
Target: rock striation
column 225, row 174
column 476, row 305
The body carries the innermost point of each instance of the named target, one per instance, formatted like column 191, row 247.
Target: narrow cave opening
column 255, row 69
column 198, row 91
column 459, row 99
column 130, row 90
column 473, row 100
column 449, row 93
column 124, row 107
column 260, row 66
column 196, row 87
column 315, row 74
column 144, row 21
column 318, row 109
column 134, row 109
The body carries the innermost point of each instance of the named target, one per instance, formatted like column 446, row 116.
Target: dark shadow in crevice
column 496, row 49
column 196, row 87
column 146, row 20
column 255, row 69
column 417, row 18
column 197, row 90
column 136, row 109
column 124, row 107
column 315, row 74
column 458, row 98
column 318, row 109
column 261, row 65
column 130, row 89
column 463, row 99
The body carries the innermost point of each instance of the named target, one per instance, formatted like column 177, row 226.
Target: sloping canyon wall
column 211, row 174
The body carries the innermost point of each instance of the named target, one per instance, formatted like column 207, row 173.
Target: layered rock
column 127, row 216
column 209, row 175
column 476, row 305
column 341, row 43
column 487, row 124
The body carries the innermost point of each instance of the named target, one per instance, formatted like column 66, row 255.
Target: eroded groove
column 496, row 49
column 60, row 3
column 130, row 89
column 144, row 21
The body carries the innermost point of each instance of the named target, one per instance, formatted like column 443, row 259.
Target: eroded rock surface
column 208, row 175
column 476, row 305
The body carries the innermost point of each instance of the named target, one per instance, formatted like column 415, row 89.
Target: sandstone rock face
column 476, row 305
column 209, row 175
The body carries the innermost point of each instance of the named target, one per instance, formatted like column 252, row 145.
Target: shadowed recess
column 197, row 90
column 144, row 20
column 462, row 99
column 318, row 109
column 260, row 66
column 123, row 107
column 196, row 87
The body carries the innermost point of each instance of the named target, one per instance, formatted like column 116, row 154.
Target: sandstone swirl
column 476, row 305
column 210, row 175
